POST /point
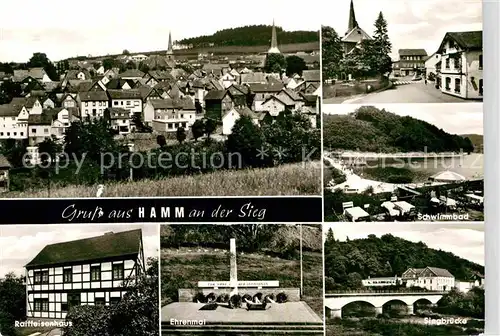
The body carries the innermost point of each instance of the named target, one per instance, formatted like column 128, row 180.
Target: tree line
column 371, row 129
column 288, row 139
column 348, row 262
column 255, row 35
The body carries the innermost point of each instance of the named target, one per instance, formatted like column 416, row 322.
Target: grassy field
column 294, row 179
column 183, row 268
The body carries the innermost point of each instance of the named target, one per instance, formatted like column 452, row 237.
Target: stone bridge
column 335, row 302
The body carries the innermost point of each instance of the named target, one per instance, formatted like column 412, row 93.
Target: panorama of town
column 204, row 99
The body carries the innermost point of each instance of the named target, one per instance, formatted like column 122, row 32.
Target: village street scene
column 242, row 279
column 402, row 52
column 403, row 162
column 184, row 111
column 405, row 279
column 79, row 280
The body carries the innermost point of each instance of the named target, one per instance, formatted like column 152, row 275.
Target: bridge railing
column 383, row 291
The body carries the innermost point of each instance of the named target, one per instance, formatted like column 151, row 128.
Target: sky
column 454, row 118
column 462, row 239
column 21, row 243
column 97, row 27
column 412, row 24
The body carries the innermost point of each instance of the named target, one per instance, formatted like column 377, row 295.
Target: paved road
column 416, row 92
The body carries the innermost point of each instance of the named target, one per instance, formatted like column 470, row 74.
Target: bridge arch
column 388, row 307
column 365, row 305
column 336, row 302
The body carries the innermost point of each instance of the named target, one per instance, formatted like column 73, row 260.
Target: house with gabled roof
column 261, row 92
column 133, row 74
column 217, row 103
column 92, row 103
column 92, row 271
column 230, row 117
column 119, row 119
column 292, row 99
column 128, row 99
column 13, row 121
column 273, row 105
column 462, row 64
column 430, row 278
column 411, row 62
column 171, row 114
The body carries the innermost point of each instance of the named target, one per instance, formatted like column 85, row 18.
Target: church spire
column 170, row 50
column 352, row 18
column 274, row 42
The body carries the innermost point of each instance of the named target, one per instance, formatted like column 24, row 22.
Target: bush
column 399, row 179
column 135, row 315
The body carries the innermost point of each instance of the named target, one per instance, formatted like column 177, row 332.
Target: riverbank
column 380, row 326
column 379, row 156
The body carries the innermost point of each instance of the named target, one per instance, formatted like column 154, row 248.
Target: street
column 415, row 92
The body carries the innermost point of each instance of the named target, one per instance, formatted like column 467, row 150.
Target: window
column 15, row 133
column 128, row 102
column 67, row 275
column 86, row 104
column 115, row 103
column 447, row 83
column 64, row 307
column 481, row 87
column 8, row 133
column 447, row 63
column 93, row 103
column 136, row 103
column 100, row 301
column 114, row 300
column 480, row 62
column 41, row 277
column 95, row 273
column 41, row 305
column 121, row 103
column 457, row 85
column 73, row 300
column 22, row 134
column 118, row 268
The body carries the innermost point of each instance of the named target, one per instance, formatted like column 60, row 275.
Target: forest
column 348, row 262
column 369, row 129
column 250, row 237
column 255, row 35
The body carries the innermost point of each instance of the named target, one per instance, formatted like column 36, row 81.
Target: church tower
column 274, row 43
column 352, row 18
column 170, row 50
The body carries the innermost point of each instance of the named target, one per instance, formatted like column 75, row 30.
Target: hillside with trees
column 477, row 141
column 348, row 262
column 369, row 129
column 255, row 35
column 250, row 237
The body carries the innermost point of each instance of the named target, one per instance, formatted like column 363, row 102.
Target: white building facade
column 70, row 274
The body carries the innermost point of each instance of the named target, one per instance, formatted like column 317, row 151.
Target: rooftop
column 95, row 248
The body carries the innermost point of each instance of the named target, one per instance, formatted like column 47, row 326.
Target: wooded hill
column 255, row 35
column 348, row 262
column 477, row 141
column 369, row 129
column 249, row 237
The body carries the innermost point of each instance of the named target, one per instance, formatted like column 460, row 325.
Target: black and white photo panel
column 79, row 280
column 241, row 279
